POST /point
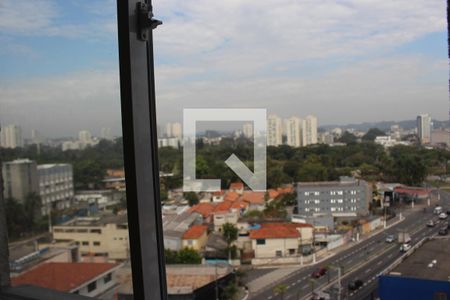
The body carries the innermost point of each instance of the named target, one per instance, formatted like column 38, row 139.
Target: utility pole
column 4, row 250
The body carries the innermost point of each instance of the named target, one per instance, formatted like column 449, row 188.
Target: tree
column 230, row 291
column 230, row 234
column 191, row 197
column 372, row 134
column 348, row 138
column 183, row 256
column 32, row 209
column 280, row 289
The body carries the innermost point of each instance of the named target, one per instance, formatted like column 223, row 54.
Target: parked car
column 437, row 210
column 390, row 238
column 319, row 272
column 405, row 247
column 354, row 285
column 431, row 223
column 443, row 231
column 443, row 216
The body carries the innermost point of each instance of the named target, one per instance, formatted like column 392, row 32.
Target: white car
column 405, row 247
column 443, row 216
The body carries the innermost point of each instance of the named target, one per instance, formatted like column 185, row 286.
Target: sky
column 346, row 61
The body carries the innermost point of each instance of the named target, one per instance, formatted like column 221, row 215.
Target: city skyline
column 312, row 63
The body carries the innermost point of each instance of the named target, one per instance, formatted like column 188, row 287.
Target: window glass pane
column 61, row 146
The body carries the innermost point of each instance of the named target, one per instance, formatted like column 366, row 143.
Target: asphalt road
column 363, row 261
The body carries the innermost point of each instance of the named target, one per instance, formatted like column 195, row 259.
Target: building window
column 278, row 253
column 260, row 241
column 107, row 278
column 85, row 243
column 99, row 231
column 291, row 251
column 96, row 243
column 92, row 286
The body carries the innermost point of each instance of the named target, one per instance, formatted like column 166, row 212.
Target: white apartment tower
column 310, row 130
column 105, row 133
column 176, row 130
column 85, row 137
column 274, row 131
column 424, row 128
column 247, row 130
column 11, row 137
column 294, row 132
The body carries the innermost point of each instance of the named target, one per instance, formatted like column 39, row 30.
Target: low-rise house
column 196, row 237
column 256, row 200
column 205, row 209
column 237, row 187
column 222, row 218
column 86, row 279
column 175, row 225
column 281, row 239
column 103, row 237
column 218, row 196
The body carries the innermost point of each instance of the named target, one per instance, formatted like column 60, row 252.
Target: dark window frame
column 140, row 143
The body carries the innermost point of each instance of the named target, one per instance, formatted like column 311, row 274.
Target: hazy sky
column 346, row 61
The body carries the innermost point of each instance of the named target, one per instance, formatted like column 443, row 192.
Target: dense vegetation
column 285, row 164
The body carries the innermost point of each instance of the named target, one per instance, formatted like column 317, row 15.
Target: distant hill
column 385, row 125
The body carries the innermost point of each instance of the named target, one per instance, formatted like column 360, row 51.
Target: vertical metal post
column 4, row 249
column 137, row 91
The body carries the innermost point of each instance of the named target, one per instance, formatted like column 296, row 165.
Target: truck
column 404, row 238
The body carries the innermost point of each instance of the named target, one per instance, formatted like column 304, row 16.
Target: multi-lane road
column 364, row 261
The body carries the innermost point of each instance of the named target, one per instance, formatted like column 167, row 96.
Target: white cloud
column 63, row 104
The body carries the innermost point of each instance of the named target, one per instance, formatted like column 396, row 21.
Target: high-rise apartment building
column 11, row 136
column 177, row 132
column 310, row 130
column 85, row 137
column 105, row 133
column 274, row 131
column 55, row 186
column 20, row 179
column 424, row 128
column 247, row 130
column 174, row 130
column 294, row 132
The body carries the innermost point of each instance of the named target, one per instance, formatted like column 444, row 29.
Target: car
column 443, row 216
column 437, row 210
column 355, row 284
column 390, row 238
column 405, row 247
column 443, row 231
column 431, row 223
column 319, row 272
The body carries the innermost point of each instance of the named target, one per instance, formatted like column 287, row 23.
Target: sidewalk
column 278, row 275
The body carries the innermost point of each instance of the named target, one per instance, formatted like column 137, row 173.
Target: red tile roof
column 275, row 231
column 253, row 197
column 205, row 209
column 273, row 194
column 223, row 206
column 62, row 277
column 231, row 196
column 236, row 186
column 239, row 204
column 195, row 232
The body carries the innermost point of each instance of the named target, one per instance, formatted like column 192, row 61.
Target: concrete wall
column 271, row 247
